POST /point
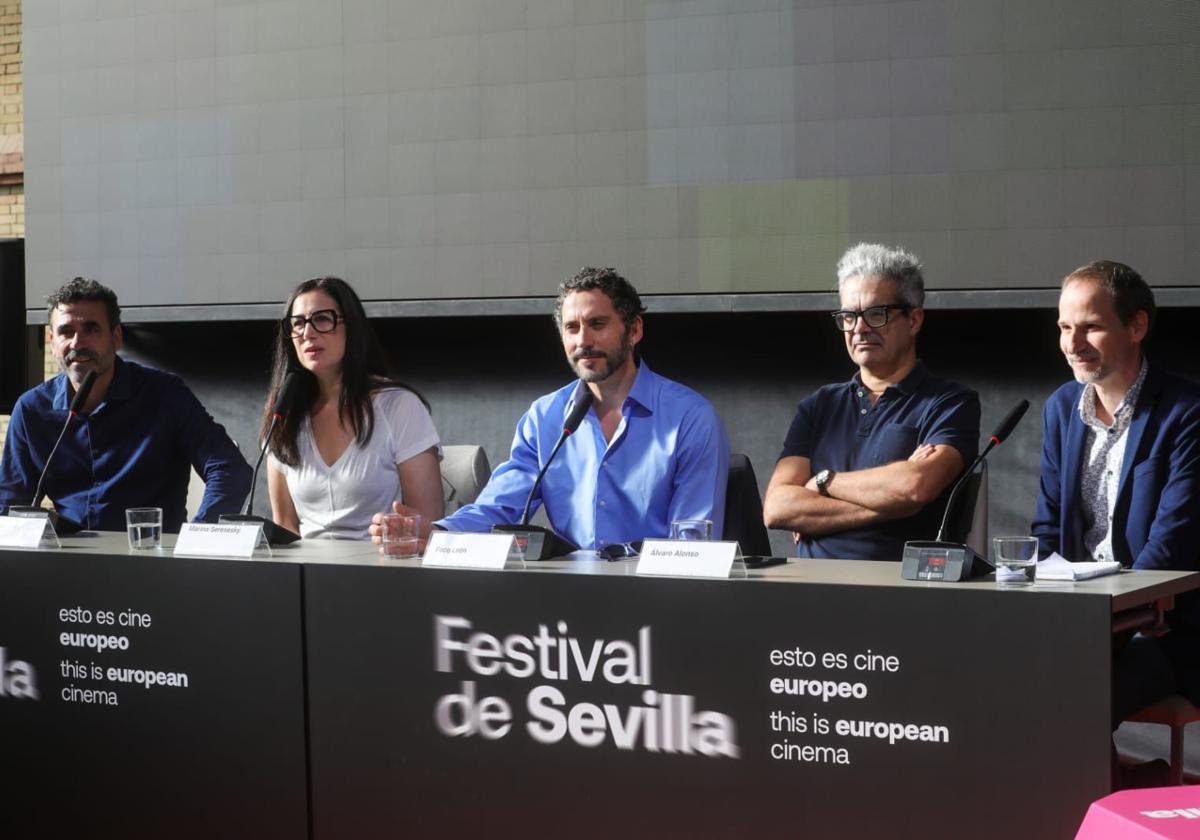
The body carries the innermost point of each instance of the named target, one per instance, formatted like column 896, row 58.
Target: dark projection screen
column 219, row 151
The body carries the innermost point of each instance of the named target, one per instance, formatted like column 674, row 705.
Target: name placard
column 686, row 558
column 223, row 540
column 467, row 551
column 23, row 531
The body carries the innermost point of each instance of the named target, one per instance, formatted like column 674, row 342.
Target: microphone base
column 62, row 526
column 275, row 534
column 537, row 543
column 933, row 561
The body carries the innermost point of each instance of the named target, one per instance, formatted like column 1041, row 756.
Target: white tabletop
column 1127, row 589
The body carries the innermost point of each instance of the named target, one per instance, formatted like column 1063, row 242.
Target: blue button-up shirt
column 135, row 449
column 838, row 429
column 669, row 459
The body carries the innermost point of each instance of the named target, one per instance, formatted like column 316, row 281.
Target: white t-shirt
column 337, row 502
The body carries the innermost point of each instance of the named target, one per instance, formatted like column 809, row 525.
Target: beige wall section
column 49, row 366
column 12, row 146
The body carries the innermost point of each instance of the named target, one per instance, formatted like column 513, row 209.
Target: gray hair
column 867, row 259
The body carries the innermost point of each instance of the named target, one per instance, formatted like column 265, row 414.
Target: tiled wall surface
column 221, row 150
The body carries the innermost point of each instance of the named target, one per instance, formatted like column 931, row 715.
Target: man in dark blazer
column 1120, row 473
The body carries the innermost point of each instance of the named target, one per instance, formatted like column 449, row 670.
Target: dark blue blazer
column 1156, row 521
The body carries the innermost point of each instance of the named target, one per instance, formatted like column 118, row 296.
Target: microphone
column 537, row 543
column 287, row 396
column 1007, row 425
column 998, row 437
column 62, row 525
column 283, row 401
column 275, row 534
column 940, row 560
column 583, row 403
column 81, row 396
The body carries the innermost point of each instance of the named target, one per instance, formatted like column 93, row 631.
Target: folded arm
column 860, row 497
column 900, row 488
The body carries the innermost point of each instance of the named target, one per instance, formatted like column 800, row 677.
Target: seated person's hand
column 376, row 527
column 925, row 450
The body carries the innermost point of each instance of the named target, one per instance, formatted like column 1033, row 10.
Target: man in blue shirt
column 648, row 452
column 136, row 439
column 866, row 463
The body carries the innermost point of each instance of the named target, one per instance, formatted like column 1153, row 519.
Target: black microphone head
column 287, row 394
column 583, row 401
column 83, row 392
column 1010, row 422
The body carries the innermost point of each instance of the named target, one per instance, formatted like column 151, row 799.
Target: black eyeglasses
column 323, row 321
column 620, row 551
column 875, row 316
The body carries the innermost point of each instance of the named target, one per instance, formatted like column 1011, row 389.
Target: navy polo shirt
column 135, row 449
column 838, row 429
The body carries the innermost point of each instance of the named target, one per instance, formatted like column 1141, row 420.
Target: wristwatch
column 822, row 481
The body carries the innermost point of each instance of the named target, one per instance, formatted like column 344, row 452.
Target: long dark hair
column 365, row 368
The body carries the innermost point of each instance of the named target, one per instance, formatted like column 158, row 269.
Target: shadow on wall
column 480, row 374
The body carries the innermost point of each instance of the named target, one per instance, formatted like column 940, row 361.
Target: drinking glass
column 691, row 529
column 144, row 526
column 401, row 535
column 1016, row 560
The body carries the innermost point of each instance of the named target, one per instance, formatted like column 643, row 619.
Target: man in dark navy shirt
column 137, row 437
column 866, row 462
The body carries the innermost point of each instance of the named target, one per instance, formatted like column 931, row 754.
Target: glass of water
column 401, row 535
column 144, row 525
column 691, row 529
column 1016, row 560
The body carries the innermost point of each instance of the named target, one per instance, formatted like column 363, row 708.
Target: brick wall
column 12, row 140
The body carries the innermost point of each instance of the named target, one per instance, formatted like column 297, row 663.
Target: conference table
column 323, row 691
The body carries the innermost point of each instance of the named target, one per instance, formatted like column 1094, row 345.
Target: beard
column 103, row 361
column 613, row 362
column 1090, row 377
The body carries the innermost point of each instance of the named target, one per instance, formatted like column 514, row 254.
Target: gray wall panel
column 149, row 124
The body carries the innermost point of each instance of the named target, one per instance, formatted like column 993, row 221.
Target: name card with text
column 25, row 532
column 224, row 540
column 686, row 558
column 467, row 551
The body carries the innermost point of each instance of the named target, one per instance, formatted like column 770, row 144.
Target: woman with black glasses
column 355, row 439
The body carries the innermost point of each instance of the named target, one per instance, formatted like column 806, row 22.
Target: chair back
column 743, row 508
column 465, row 470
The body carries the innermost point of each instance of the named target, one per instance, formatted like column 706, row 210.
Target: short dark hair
column 1129, row 292
column 85, row 288
column 620, row 291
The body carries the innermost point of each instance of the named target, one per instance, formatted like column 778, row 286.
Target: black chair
column 743, row 509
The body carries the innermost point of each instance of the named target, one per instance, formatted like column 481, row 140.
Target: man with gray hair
column 866, row 463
